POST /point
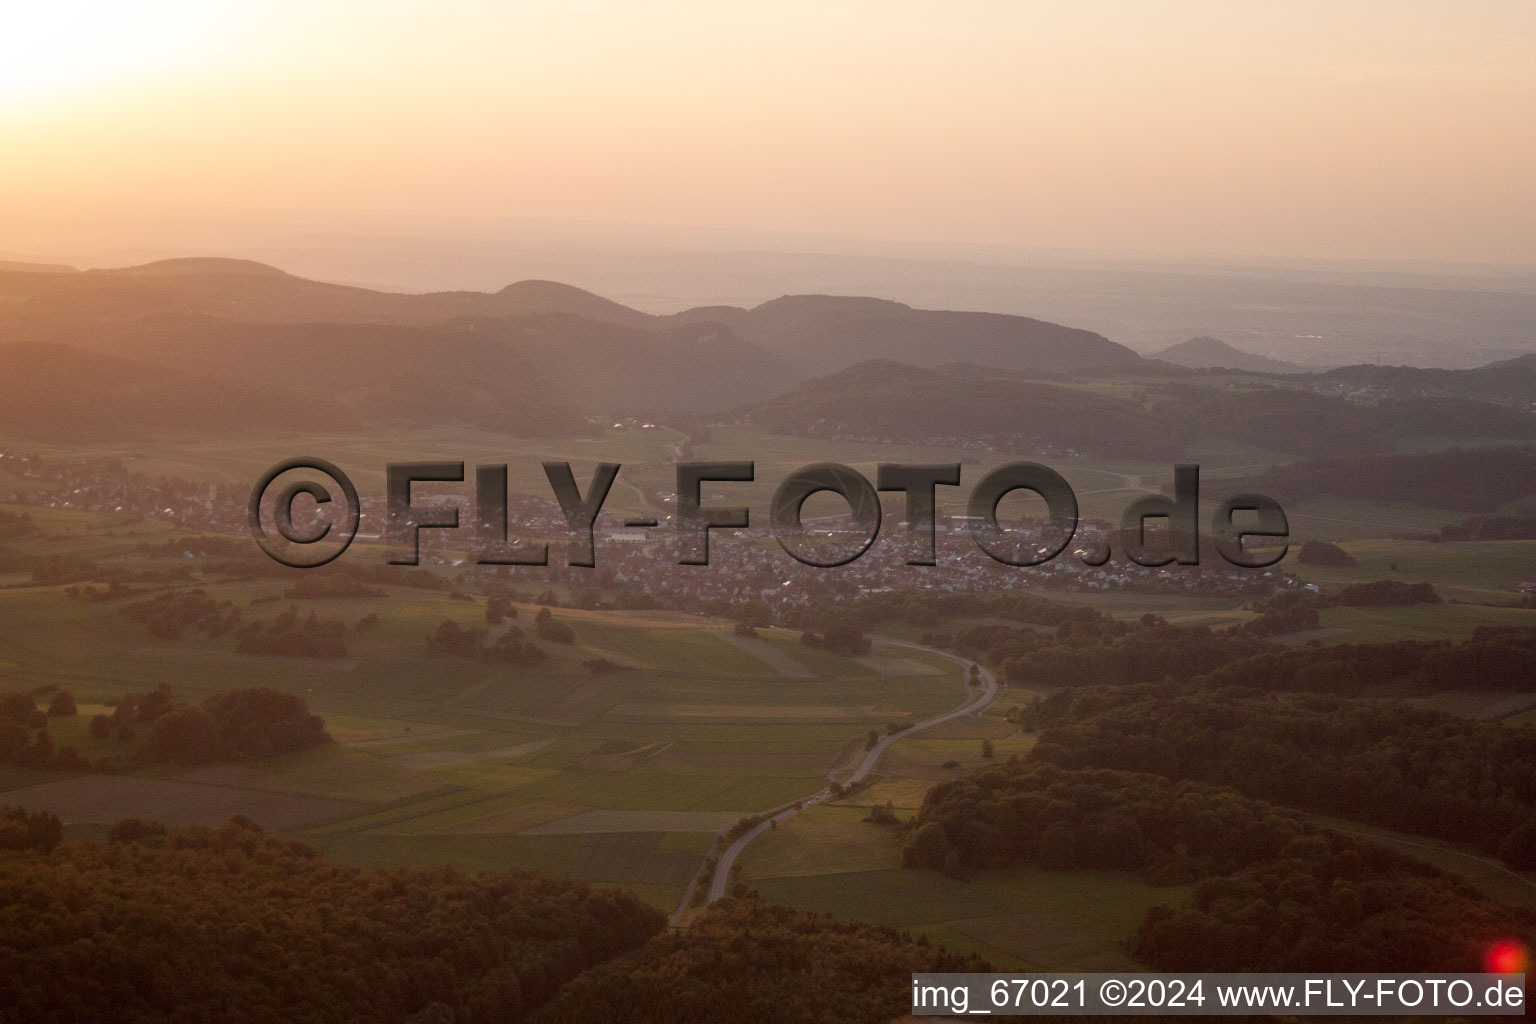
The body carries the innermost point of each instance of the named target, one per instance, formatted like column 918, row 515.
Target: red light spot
column 1506, row 957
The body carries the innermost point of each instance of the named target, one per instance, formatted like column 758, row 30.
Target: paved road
column 973, row 704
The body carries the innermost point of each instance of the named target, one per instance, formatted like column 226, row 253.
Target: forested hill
column 536, row 357
column 1205, row 352
column 234, row 925
column 886, row 400
column 1030, row 411
column 1272, row 891
column 824, row 333
column 1467, row 480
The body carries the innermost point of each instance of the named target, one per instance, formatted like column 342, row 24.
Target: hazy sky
column 1343, row 128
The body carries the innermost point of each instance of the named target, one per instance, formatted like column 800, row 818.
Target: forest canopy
column 235, row 925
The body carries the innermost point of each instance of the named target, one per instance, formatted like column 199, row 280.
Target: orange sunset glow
column 1371, row 130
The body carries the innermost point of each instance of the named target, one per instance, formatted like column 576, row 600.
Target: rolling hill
column 825, row 333
column 1203, row 352
column 534, row 357
column 224, row 344
column 56, row 392
column 1477, row 480
column 970, row 406
column 883, row 400
column 1512, row 383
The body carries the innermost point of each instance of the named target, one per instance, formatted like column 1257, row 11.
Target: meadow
column 620, row 776
column 627, row 776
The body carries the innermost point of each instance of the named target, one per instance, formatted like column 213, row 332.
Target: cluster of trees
column 1321, row 552
column 450, row 640
column 36, row 831
column 499, row 608
column 289, row 635
column 748, row 961
column 1288, row 612
column 1489, row 528
column 1494, row 657
column 16, row 524
column 20, row 706
column 48, row 567
column 1404, row 768
column 235, row 925
column 1273, row 893
column 1099, row 651
column 114, row 591
column 170, row 612
column 552, row 629
column 1333, row 904
column 1093, row 652
column 1292, row 610
column 132, row 713
column 840, row 637
column 1037, row 813
column 24, row 735
column 237, row 725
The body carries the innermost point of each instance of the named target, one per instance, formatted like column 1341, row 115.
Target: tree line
column 1272, row 892
column 234, row 725
column 1383, row 762
column 236, row 925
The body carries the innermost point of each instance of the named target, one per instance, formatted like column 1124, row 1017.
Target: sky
column 1398, row 130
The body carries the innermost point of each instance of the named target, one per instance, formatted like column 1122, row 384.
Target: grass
column 1466, row 570
column 1339, row 519
column 1024, row 918
column 828, row 858
column 106, row 798
column 819, row 839
column 683, row 651
column 1413, row 622
column 331, row 771
column 478, row 765
column 645, row 789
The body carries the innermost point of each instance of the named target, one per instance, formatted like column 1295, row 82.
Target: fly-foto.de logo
column 300, row 522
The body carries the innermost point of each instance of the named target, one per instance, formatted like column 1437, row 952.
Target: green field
column 829, row 859
column 1472, row 571
column 626, row 776
column 619, row 777
column 1414, row 622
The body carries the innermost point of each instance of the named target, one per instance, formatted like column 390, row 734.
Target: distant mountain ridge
column 225, row 337
column 535, row 356
column 824, row 333
column 1213, row 353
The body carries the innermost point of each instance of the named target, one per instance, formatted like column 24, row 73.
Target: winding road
column 973, row 703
